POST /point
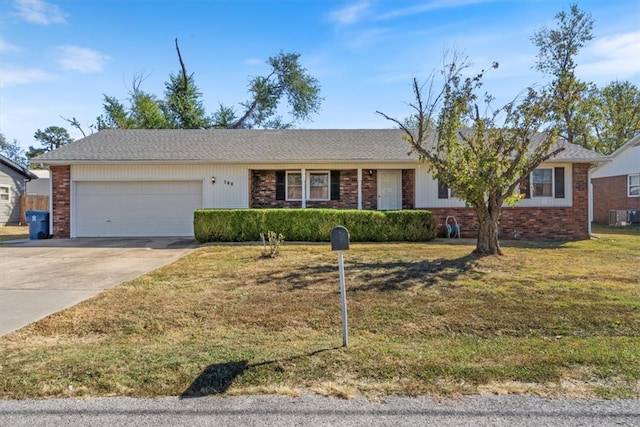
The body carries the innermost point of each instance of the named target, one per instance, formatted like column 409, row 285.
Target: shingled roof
column 17, row 168
column 250, row 147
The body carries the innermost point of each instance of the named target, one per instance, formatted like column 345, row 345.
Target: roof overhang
column 27, row 174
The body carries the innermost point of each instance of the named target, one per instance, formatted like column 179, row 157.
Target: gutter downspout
column 51, row 203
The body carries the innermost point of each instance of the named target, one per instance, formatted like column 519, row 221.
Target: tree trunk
column 488, row 220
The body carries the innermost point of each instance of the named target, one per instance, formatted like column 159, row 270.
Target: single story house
column 616, row 186
column 148, row 182
column 12, row 185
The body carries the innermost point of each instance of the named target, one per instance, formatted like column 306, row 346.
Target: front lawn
column 424, row 319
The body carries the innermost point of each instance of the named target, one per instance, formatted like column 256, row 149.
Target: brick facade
column 408, row 188
column 61, row 201
column 611, row 193
column 527, row 223
column 263, row 191
column 370, row 189
column 565, row 223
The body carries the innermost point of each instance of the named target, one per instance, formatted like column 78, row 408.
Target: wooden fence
column 32, row 203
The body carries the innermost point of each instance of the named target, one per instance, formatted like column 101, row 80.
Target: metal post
column 343, row 294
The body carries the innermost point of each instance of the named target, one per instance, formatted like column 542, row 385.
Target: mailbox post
column 340, row 243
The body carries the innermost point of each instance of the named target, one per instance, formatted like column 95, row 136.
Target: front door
column 389, row 190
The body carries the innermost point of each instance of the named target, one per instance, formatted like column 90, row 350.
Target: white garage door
column 124, row 209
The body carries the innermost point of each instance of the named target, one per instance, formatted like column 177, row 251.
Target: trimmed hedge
column 313, row 225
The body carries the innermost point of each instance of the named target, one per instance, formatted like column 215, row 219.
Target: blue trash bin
column 38, row 224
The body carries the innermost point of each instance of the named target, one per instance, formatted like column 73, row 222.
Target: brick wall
column 570, row 223
column 370, row 189
column 408, row 188
column 565, row 223
column 611, row 193
column 61, row 201
column 348, row 193
column 263, row 192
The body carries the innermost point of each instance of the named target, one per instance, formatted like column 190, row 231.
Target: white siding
column 628, row 162
column 231, row 189
column 427, row 191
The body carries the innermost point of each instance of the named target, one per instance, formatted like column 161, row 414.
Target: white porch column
column 303, row 177
column 359, row 188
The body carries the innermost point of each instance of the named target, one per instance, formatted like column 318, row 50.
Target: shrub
column 313, row 225
column 275, row 241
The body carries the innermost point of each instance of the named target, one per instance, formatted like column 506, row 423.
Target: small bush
column 275, row 241
column 313, row 225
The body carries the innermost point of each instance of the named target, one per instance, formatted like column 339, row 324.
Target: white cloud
column 350, row 14
column 21, row 76
column 5, row 46
column 428, row 6
column 81, row 59
column 39, row 12
column 614, row 56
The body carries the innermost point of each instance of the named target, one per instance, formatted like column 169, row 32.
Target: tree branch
column 184, row 69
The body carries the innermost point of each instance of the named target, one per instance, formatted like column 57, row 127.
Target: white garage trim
column 134, row 208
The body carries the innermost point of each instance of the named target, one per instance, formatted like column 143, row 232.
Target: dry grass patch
column 11, row 232
column 423, row 319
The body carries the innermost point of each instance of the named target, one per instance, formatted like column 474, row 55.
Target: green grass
column 424, row 319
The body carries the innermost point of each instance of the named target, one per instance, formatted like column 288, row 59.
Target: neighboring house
column 616, row 186
column 41, row 186
column 12, row 186
column 149, row 182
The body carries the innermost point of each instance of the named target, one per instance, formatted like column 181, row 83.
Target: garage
column 135, row 209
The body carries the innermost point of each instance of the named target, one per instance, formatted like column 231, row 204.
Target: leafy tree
column 225, row 117
column 287, row 79
column 145, row 111
column 614, row 115
column 51, row 138
column 182, row 100
column 482, row 157
column 12, row 151
column 181, row 108
column 557, row 48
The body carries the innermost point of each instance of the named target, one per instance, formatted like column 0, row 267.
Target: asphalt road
column 313, row 410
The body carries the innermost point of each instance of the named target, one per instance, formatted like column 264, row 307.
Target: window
column 318, row 186
column 444, row 192
column 546, row 182
column 633, row 185
column 294, row 186
column 4, row 193
column 542, row 183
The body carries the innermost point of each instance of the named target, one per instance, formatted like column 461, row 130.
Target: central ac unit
column 617, row 218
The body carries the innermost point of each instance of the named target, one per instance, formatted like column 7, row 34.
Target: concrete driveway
column 41, row 277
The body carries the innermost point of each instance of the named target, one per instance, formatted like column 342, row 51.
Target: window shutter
column 335, row 185
column 559, row 183
column 443, row 190
column 281, row 187
column 525, row 187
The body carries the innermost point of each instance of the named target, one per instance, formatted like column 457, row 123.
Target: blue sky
column 58, row 57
